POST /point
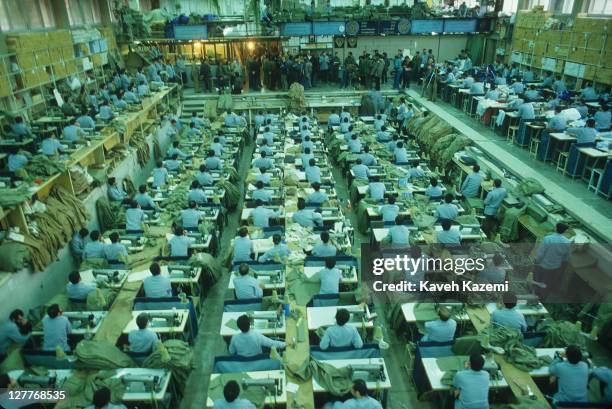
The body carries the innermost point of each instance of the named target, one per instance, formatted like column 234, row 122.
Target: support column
column 60, row 12
column 580, row 6
column 105, row 12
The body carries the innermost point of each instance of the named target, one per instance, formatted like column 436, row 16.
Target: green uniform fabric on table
column 80, row 389
column 522, row 356
column 100, row 355
column 13, row 197
column 180, row 363
column 528, row 187
column 13, row 256
column 523, row 403
column 508, row 228
column 450, row 365
column 256, row 396
column 336, row 381
column 560, row 334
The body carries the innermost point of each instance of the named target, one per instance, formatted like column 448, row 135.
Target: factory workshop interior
column 337, row 204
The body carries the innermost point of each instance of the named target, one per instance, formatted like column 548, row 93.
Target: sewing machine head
column 368, row 372
column 492, row 368
column 109, row 276
column 275, row 276
column 37, row 381
column 357, row 313
column 265, row 319
column 169, row 319
column 139, row 383
column 530, row 300
column 182, row 271
column 82, row 320
column 347, row 271
column 272, row 386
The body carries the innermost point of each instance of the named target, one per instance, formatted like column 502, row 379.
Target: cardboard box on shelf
column 589, row 72
column 43, row 57
column 603, row 75
column 25, row 59
column 5, row 87
column 68, row 53
column 596, row 41
column 576, row 54
column 592, row 57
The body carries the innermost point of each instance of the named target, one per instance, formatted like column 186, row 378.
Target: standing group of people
column 221, row 73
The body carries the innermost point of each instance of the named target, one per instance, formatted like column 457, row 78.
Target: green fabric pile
column 211, row 269
column 560, row 334
column 232, row 194
column 180, row 362
column 336, row 381
column 14, row 197
column 80, row 388
column 42, row 165
column 107, row 214
column 256, row 396
column 508, row 228
column 522, row 356
column 139, row 142
column 100, row 355
column 225, row 103
column 297, row 98
column 528, row 187
column 13, row 256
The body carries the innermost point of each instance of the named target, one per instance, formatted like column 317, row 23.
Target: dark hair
column 360, row 387
column 324, row 236
column 142, row 188
column 5, row 381
column 509, row 300
column 192, row 204
column 259, row 184
column 312, row 162
column 175, row 144
column 244, row 323
column 94, row 235
column 195, row 184
column 155, row 269
column 573, row 354
column 83, row 232
column 112, row 180
column 231, row 391
column 433, row 181
column 53, row 310
column 448, row 198
column 342, row 316
column 497, row 182
column 446, row 224
column 276, row 239
column 114, row 237
column 561, row 227
column 476, row 168
column 74, row 277
column 133, row 204
column 243, row 269
column 476, row 362
column 590, row 122
column 142, row 320
column 101, row 397
column 330, row 262
column 316, row 186
column 301, row 203
column 391, row 199
column 243, row 232
column 15, row 314
column 498, row 259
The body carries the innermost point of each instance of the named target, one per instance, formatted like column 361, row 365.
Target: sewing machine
column 492, row 368
column 182, row 271
column 84, row 320
column 141, row 383
column 109, row 276
column 271, row 386
column 358, row 313
column 166, row 319
column 528, row 300
column 37, row 381
column 271, row 276
column 348, row 272
column 368, row 372
column 266, row 319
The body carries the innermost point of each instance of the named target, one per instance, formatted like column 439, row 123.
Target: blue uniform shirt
column 367, row 159
column 313, row 174
column 72, row 133
column 172, row 151
column 80, row 290
column 247, row 287
column 145, row 201
column 55, row 332
column 106, row 113
column 16, row 161
column 440, row 331
column 93, row 249
column 9, row 334
column 212, row 163
column 77, row 245
column 317, row 198
column 401, row 156
column 116, row 194
column 557, row 122
column 173, row 165
column 554, row 250
column 115, row 252
column 278, row 252
column 354, row 145
column 307, row 218
column 50, row 146
column 389, row 212
column 572, row 380
column 157, row 286
column 250, row 343
column 243, row 247
column 160, row 176
column 361, row 171
column 197, row 195
column 602, row 119
column 262, row 215
column 204, row 178
column 526, row 111
column 237, row 404
column 471, row 184
column 377, row 190
column 134, row 218
column 510, row 318
column 433, row 191
column 179, row 245
column 86, row 122
column 20, row 129
column 494, row 200
column 190, row 218
column 583, row 135
column 451, row 236
column 399, row 235
column 324, row 250
column 262, row 194
column 604, row 375
column 474, row 389
column 330, row 280
column 447, row 211
column 142, row 340
column 338, row 336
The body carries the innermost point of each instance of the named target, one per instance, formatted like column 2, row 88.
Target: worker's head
column 476, row 362
column 391, row 200
column 155, row 269
column 342, row 316
column 192, row 125
column 258, row 203
column 399, row 220
column 498, row 259
column 134, row 204
column 383, row 128
column 312, row 162
column 112, row 181
column 160, row 164
column 83, row 232
column 243, row 232
column 590, row 123
column 195, row 184
column 175, row 144
column 174, row 156
column 316, row 186
column 276, row 239
column 558, row 109
column 400, row 145
column 433, row 181
column 366, row 149
column 263, row 154
column 142, row 189
column 94, row 235
column 330, row 262
column 192, row 204
column 446, row 224
column 497, row 183
column 211, row 153
column 267, row 129
column 243, row 269
column 325, row 236
column 231, row 391
column 444, row 313
column 114, row 237
column 179, row 231
column 18, row 120
column 359, row 389
column 142, row 320
column 358, row 161
column 101, row 397
column 573, row 354
column 259, row 184
column 16, row 315
column 53, row 310
column 354, row 136
column 561, row 228
column 244, row 323
column 448, row 198
column 194, row 114
column 301, row 203
column 509, row 300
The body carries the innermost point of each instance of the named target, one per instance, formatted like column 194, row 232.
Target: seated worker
column 493, row 273
column 157, row 285
column 472, row 385
column 16, row 330
column 203, row 177
column 56, row 328
column 367, row 158
column 216, row 146
column 193, row 131
column 249, row 343
column 160, row 175
column 448, row 235
column 415, row 171
column 333, row 119
column 212, row 162
column 400, row 154
column 359, row 400
column 175, row 149
column 243, row 246
column 329, row 277
column 354, row 144
column 389, row 211
column 106, row 112
column 508, row 316
column 398, row 234
column 263, row 161
column 115, row 252
column 134, row 217
column 263, row 177
column 317, row 197
column 85, row 121
column 361, row 171
column 477, row 88
column 532, row 93
column 345, row 114
column 231, row 392
column 604, row 375
column 114, row 191
column 305, row 158
column 142, row 340
column 268, row 136
column 278, row 252
column 265, row 148
column 557, row 123
column 73, row 132
column 378, row 122
column 179, row 244
column 261, row 215
column 587, row 134
column 20, row 129
column 492, row 94
column 447, row 210
column 441, row 330
column 191, row 217
column 433, row 191
column 76, row 288
column 102, row 400
column 344, row 125
column 259, row 120
column 130, row 96
column 144, row 200
column 377, row 190
column 341, row 335
column 77, row 244
column 571, row 374
column 50, row 146
column 588, row 92
column 261, row 193
column 68, row 108
column 16, row 160
column 517, row 86
column 313, row 172
column 383, row 135
column 307, row 143
column 94, row 248
column 246, row 286
column 324, row 249
column 196, row 194
column 306, row 217
column 173, row 164
column 142, row 90
column 199, row 122
column 602, row 117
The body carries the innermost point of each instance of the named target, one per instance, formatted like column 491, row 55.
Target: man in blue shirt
column 268, row 136
column 115, row 253
column 106, row 112
column 76, row 288
column 50, row 146
column 16, row 330
column 508, row 316
column 324, row 249
column 249, row 343
column 203, row 177
column 77, row 244
column 333, row 119
column 212, row 162
column 306, row 217
column 279, row 252
column 259, row 120
column 231, row 392
column 20, row 129
column 196, row 194
column 94, row 249
column 602, row 117
column 447, row 210
column 586, row 134
column 400, row 154
column 558, row 122
column 246, row 286
column 441, row 330
column 261, row 193
column 360, row 399
column 262, row 162
column 433, row 191
column 174, row 164
column 341, row 335
column 313, row 172
column 160, row 175
column 16, row 160
column 360, row 171
column 175, row 150
column 448, row 235
column 316, row 197
column 588, row 92
column 142, row 340
column 377, row 190
column 559, row 85
column 383, row 135
column 56, row 328
column 472, row 385
column 329, row 277
column 526, row 111
column 354, row 144
column 86, row 121
column 157, row 285
column 399, row 234
column 134, row 217
column 492, row 203
column 367, row 158
column 493, row 273
column 144, row 200
column 389, row 211
column 191, row 217
column 532, row 93
column 243, row 246
column 572, row 376
column 115, row 192
column 604, row 375
column 305, row 158
column 261, row 215
column 180, row 243
column 551, row 258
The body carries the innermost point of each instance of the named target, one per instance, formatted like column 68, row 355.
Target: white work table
column 326, row 316
column 99, row 316
column 145, row 396
column 342, row 363
column 270, row 400
column 158, row 325
column 312, row 270
column 265, row 280
column 524, row 308
column 259, row 325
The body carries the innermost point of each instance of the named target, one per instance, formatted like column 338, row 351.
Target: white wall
column 228, row 7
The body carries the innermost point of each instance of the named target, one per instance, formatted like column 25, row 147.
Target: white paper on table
column 292, row 387
column 138, row 276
